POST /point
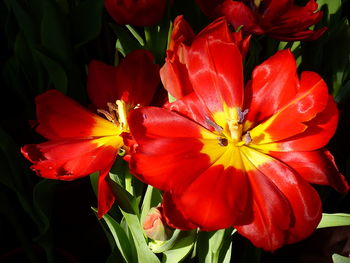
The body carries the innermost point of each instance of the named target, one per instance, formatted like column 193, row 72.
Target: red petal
column 169, row 140
column 238, row 14
column 105, row 195
column 174, row 74
column 312, row 98
column 293, row 24
column 274, row 9
column 173, row 215
column 181, row 33
column 274, row 84
column 215, row 68
column 190, row 106
column 138, row 78
column 318, row 133
column 316, row 167
column 271, row 227
column 101, row 84
column 139, row 13
column 217, row 198
column 72, row 159
column 60, row 117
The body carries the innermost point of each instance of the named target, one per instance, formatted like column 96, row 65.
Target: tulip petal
column 318, row 133
column 105, row 195
column 316, row 167
column 191, row 107
column 60, row 117
column 238, row 14
column 312, row 98
column 215, row 68
column 101, row 84
column 207, row 200
column 170, row 140
column 173, row 215
column 267, row 229
column 274, row 9
column 139, row 13
column 69, row 159
column 138, row 78
column 274, row 84
column 296, row 20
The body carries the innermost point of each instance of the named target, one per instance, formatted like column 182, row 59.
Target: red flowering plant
column 283, row 20
column 249, row 151
column 206, row 141
column 81, row 142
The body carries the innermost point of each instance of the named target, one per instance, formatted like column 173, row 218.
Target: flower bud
column 154, row 225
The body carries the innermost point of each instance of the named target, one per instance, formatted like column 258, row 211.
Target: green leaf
column 332, row 220
column 12, row 174
column 121, row 239
column 181, row 248
column 86, row 21
column 54, row 35
column 136, row 35
column 129, row 207
column 331, row 5
column 57, row 74
column 43, row 197
column 209, row 245
column 123, row 198
column 144, row 254
column 25, row 22
column 125, row 42
column 340, row 259
column 94, row 181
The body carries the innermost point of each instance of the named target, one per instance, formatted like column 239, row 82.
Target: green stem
column 128, row 183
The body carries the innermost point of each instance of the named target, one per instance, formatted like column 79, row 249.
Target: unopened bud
column 154, row 225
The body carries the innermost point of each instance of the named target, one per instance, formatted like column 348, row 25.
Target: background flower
column 137, row 13
column 81, row 142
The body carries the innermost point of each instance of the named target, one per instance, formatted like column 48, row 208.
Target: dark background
column 47, row 44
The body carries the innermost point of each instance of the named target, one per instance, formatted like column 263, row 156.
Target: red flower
column 136, row 12
column 81, row 142
column 280, row 19
column 226, row 155
column 174, row 73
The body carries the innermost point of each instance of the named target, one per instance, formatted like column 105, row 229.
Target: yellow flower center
column 229, row 127
column 229, row 143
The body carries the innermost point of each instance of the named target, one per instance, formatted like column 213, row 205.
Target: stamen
column 211, row 123
column 222, row 141
column 247, row 138
column 109, row 116
column 241, row 115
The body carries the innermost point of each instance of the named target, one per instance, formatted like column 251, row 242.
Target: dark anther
column 223, row 141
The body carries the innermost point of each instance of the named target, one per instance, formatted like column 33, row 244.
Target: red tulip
column 226, row 155
column 280, row 19
column 81, row 142
column 174, row 73
column 136, row 12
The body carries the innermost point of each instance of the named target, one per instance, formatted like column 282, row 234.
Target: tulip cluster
column 227, row 148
